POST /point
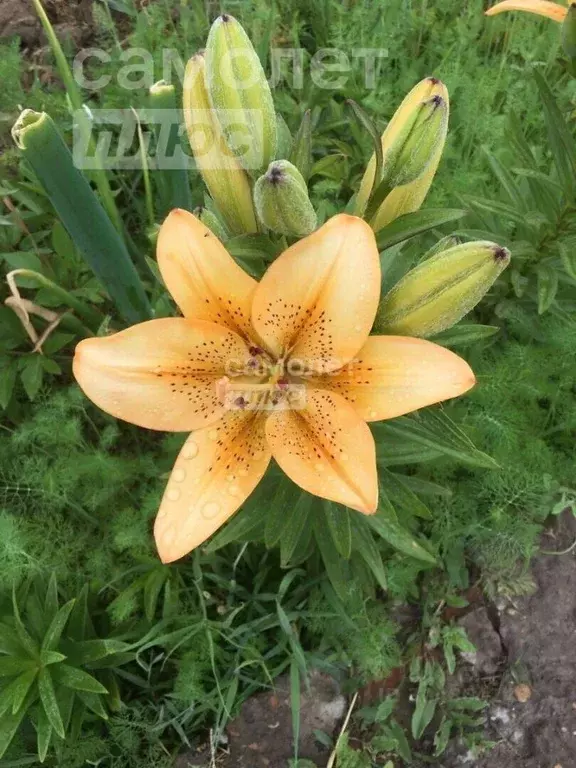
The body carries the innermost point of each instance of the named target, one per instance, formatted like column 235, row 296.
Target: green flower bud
column 240, row 94
column 437, row 293
column 212, row 222
column 569, row 32
column 282, row 201
column 227, row 182
column 417, row 143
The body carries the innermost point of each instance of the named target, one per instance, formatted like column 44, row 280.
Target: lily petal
column 539, row 7
column 161, row 374
column 203, row 278
column 217, row 469
column 327, row 449
column 394, row 375
column 318, row 300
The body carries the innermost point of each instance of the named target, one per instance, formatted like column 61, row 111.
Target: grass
column 78, row 490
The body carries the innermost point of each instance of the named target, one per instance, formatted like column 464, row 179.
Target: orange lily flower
column 283, row 368
column 539, row 7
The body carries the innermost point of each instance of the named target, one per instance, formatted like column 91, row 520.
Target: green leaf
column 78, row 680
column 12, row 665
column 364, row 545
column 292, row 533
column 9, row 724
column 402, row 496
column 43, row 734
column 498, row 208
column 82, row 214
column 54, row 633
column 49, row 702
column 26, row 641
column 90, row 651
column 424, row 487
column 560, row 137
column 51, row 600
column 280, row 511
column 423, row 714
column 403, row 747
column 8, row 373
column 301, row 155
column 369, row 126
column 20, row 688
column 249, row 520
column 152, row 588
column 31, row 374
column 412, row 224
column 295, row 705
column 338, row 522
column 385, row 523
column 547, row 287
column 568, row 256
column 51, row 657
column 79, row 624
column 336, row 567
column 435, row 430
column 442, row 736
column 94, row 703
column 464, row 335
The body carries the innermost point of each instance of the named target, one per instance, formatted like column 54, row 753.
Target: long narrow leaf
column 81, row 213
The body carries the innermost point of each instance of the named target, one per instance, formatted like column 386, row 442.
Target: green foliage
column 464, row 489
column 56, row 670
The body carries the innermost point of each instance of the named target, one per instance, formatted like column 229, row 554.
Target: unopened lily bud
column 282, row 201
column 227, row 182
column 240, row 94
column 442, row 245
column 209, row 219
column 439, row 292
column 413, row 151
column 408, row 197
column 569, row 33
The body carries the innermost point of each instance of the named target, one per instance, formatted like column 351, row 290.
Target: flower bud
column 282, row 201
column 412, row 152
column 227, row 182
column 569, row 33
column 210, row 220
column 408, row 197
column 440, row 291
column 240, row 94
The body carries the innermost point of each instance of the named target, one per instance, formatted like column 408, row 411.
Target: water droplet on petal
column 190, row 450
column 213, row 434
column 210, row 510
column 373, row 414
column 178, row 475
column 168, row 536
column 173, row 494
column 318, row 466
column 357, row 328
column 234, row 490
column 230, row 478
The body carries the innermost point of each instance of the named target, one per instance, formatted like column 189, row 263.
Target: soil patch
column 532, row 717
